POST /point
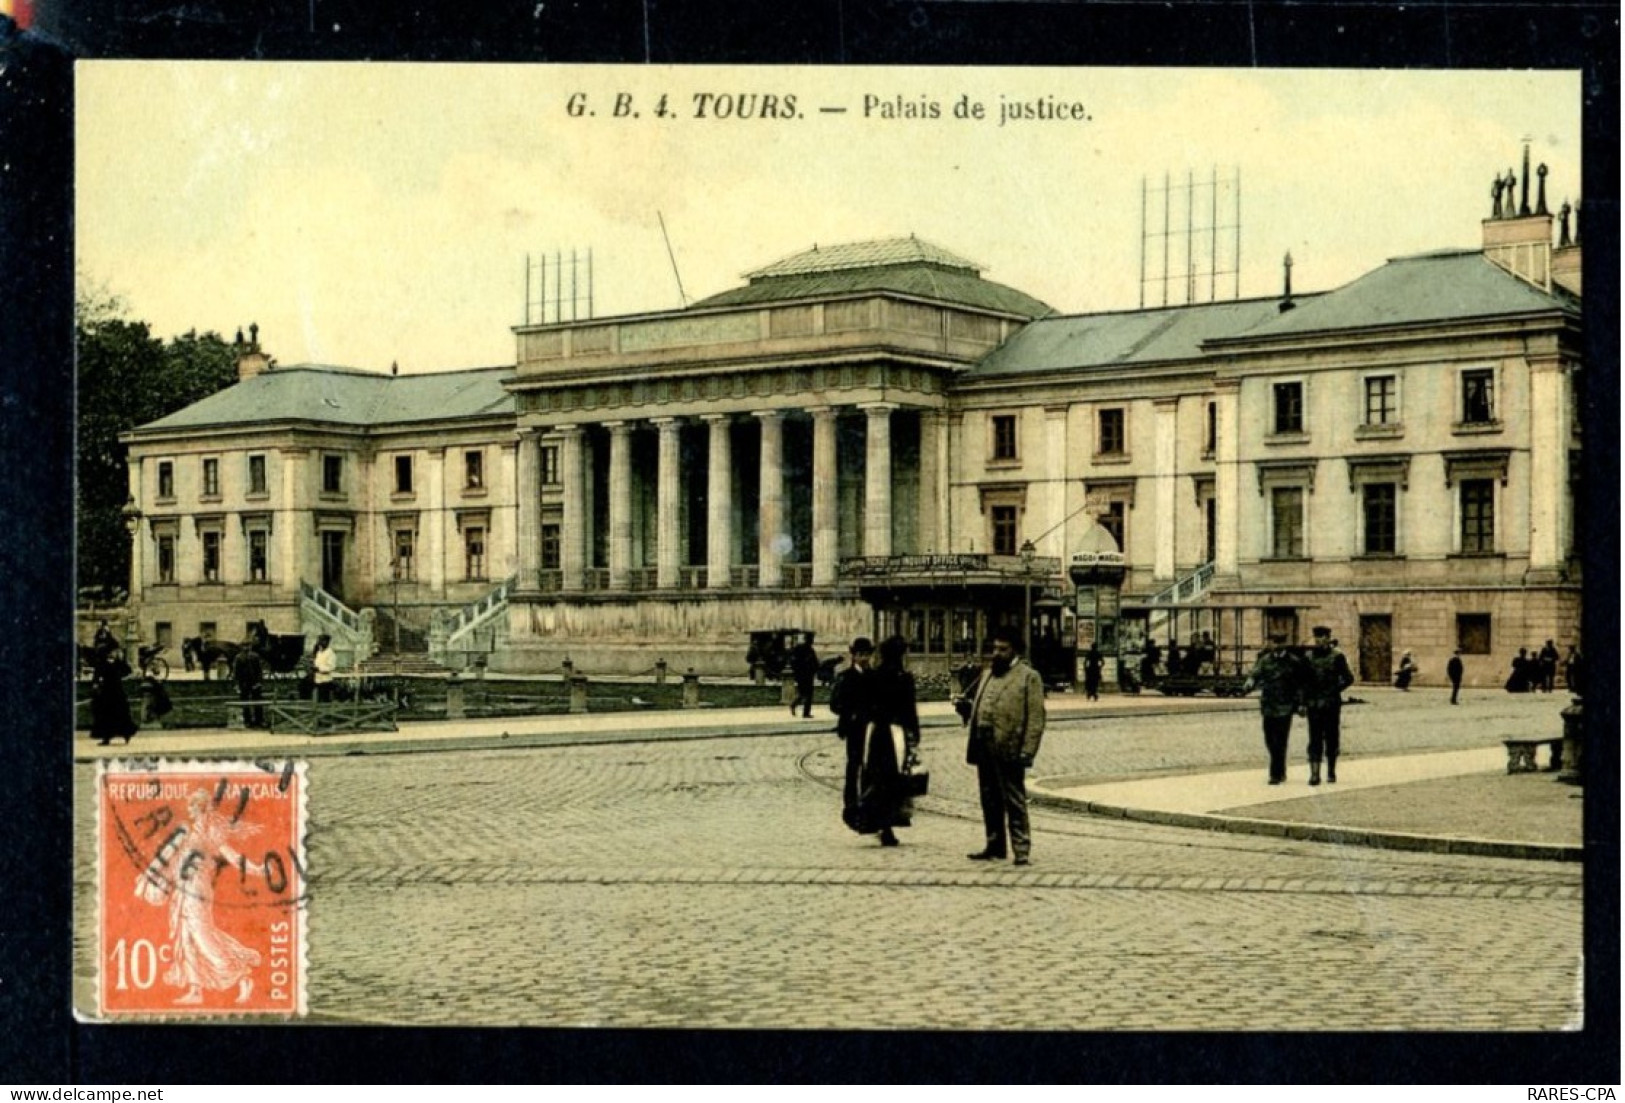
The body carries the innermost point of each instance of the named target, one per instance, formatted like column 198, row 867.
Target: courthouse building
column 874, row 438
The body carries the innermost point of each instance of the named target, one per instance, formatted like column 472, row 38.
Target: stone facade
column 1395, row 458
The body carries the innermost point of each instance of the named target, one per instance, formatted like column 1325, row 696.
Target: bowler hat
column 1322, row 630
column 862, row 645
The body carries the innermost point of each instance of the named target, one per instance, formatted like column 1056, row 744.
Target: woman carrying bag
column 889, row 779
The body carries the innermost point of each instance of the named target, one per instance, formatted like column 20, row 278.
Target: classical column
column 620, row 505
column 1227, row 476
column 1549, row 433
column 1054, row 540
column 668, row 534
column 528, row 538
column 573, row 470
column 771, row 543
column 877, row 479
column 1165, row 462
column 826, row 541
column 287, row 566
column 719, row 505
column 932, row 482
column 436, row 520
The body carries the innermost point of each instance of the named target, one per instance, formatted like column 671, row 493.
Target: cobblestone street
column 710, row 883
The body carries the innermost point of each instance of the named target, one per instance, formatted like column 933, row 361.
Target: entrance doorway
column 333, row 563
column 1376, row 647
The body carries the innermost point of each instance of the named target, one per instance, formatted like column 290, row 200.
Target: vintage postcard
column 602, row 495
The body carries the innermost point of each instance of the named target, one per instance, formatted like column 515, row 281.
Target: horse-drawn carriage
column 278, row 654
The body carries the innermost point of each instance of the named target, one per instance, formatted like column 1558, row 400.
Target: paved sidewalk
column 1459, row 802
column 1450, row 801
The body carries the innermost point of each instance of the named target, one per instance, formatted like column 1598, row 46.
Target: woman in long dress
column 202, row 955
column 110, row 717
column 892, row 737
column 1407, row 671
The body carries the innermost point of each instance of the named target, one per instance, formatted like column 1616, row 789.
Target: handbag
column 917, row 783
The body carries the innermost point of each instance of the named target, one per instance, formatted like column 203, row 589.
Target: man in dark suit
column 1279, row 677
column 1329, row 676
column 1006, row 718
column 849, row 701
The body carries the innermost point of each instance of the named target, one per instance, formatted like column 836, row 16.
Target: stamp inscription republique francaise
column 202, row 888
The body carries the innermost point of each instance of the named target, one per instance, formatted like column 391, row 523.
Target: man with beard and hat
column 1329, row 676
column 1006, row 719
column 1279, row 677
column 849, row 701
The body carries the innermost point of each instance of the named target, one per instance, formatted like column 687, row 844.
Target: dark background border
column 41, row 1044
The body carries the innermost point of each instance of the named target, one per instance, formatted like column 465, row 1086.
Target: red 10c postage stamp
column 202, row 889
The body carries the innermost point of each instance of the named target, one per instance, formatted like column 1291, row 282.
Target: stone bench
column 1521, row 754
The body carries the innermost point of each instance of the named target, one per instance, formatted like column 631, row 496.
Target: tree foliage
column 127, row 377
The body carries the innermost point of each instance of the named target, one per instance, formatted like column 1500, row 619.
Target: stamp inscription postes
column 201, row 889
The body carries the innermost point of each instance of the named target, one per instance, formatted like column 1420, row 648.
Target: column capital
column 875, row 408
column 768, row 415
column 665, row 424
column 619, row 425
column 713, row 419
column 527, row 433
column 1161, row 404
column 574, row 429
column 823, row 411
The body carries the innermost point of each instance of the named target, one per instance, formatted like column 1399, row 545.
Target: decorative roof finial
column 1495, row 193
column 1563, row 239
column 1540, row 201
column 394, row 367
column 254, row 334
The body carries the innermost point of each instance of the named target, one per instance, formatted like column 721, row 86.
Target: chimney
column 1286, row 290
column 250, row 360
column 1516, row 239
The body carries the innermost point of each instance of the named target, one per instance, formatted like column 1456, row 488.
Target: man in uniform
column 1329, row 676
column 1279, row 677
column 1006, row 718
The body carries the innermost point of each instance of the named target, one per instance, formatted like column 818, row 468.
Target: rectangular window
column 1289, row 407
column 1473, row 633
column 166, row 558
column 1286, row 515
column 1477, row 516
column 1004, row 437
column 1381, row 400
column 474, row 470
column 332, row 474
column 474, row 553
column 259, row 555
column 403, row 474
column 163, row 634
column 256, row 475
column 1111, row 439
column 936, row 633
column 1380, row 500
column 1210, row 443
column 211, row 478
column 211, row 556
column 550, row 465
column 1004, row 530
column 166, row 479
column 1112, row 522
column 1478, row 396
column 550, row 547
column 404, row 566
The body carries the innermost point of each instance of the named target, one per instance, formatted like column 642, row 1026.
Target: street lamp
column 131, row 514
column 1028, row 552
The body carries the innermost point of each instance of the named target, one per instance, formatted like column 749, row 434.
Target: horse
column 281, row 654
column 205, row 653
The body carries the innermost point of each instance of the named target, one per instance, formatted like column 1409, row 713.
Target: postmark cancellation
column 202, row 891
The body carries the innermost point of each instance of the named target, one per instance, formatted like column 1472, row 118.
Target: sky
column 365, row 214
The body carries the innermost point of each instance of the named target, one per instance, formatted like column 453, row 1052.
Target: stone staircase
column 477, row 629
column 352, row 632
column 1184, row 592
